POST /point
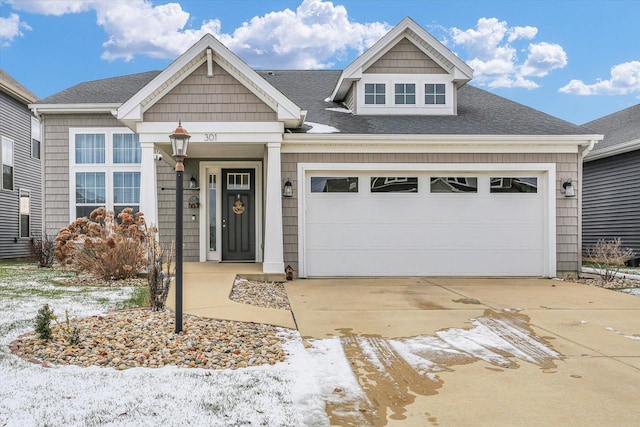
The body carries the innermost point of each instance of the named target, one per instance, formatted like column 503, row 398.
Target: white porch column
column 148, row 187
column 273, row 260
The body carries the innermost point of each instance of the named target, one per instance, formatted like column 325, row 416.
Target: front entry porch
column 206, row 290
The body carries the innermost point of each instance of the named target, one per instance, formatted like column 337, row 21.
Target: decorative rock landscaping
column 143, row 338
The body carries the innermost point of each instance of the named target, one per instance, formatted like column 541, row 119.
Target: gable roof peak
column 409, row 29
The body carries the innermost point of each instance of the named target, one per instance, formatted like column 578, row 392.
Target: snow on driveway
column 356, row 380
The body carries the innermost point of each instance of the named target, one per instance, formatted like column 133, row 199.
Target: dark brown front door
column 238, row 215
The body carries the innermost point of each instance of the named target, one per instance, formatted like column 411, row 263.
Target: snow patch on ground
column 339, row 110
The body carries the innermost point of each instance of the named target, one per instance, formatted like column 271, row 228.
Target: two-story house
column 394, row 166
column 21, row 184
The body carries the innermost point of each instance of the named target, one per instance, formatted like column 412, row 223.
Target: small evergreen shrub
column 43, row 323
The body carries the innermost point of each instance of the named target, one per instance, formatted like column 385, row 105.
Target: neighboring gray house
column 21, row 184
column 394, row 166
column 611, row 189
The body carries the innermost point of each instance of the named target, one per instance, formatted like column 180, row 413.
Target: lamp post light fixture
column 179, row 142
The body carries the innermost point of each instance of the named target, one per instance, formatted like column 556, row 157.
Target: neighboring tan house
column 21, row 184
column 398, row 167
column 611, row 199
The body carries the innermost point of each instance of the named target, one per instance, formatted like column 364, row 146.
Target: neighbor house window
column 451, row 184
column 394, row 184
column 126, row 191
column 35, row 138
column 105, row 170
column 321, row 184
column 374, row 93
column 434, row 94
column 405, row 93
column 90, row 148
column 7, row 164
column 25, row 213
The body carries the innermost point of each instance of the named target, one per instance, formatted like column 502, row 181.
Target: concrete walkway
column 206, row 290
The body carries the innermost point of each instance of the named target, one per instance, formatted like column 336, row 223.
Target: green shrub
column 43, row 323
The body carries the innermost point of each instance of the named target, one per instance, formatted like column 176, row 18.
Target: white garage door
column 423, row 224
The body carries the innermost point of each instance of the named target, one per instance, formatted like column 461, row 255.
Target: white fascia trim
column 625, row 147
column 285, row 108
column 354, row 70
column 338, row 143
column 74, row 108
column 548, row 169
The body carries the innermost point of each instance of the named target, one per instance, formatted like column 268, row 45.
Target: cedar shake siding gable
column 221, row 98
column 405, row 58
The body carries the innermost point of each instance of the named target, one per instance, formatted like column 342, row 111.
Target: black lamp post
column 179, row 142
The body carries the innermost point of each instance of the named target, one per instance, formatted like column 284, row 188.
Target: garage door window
column 449, row 184
column 394, row 184
column 514, row 185
column 334, row 184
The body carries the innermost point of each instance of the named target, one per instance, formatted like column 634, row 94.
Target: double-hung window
column 405, row 93
column 105, row 170
column 7, row 164
column 35, row 138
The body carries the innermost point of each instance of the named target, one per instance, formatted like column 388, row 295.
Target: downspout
column 584, row 154
column 587, row 150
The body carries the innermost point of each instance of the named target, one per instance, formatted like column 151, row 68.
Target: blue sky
column 577, row 60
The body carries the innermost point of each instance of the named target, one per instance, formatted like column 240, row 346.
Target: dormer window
column 434, row 94
column 374, row 94
column 405, row 93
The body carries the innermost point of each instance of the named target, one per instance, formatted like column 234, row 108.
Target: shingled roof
column 617, row 128
column 479, row 112
column 114, row 90
column 12, row 87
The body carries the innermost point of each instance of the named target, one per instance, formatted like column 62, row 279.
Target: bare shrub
column 100, row 245
column 609, row 256
column 42, row 250
column 159, row 280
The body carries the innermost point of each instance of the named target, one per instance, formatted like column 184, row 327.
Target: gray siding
column 15, row 124
column 220, row 98
column 167, row 209
column 567, row 245
column 611, row 200
column 56, row 162
column 405, row 58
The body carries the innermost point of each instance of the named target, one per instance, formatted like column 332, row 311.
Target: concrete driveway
column 478, row 351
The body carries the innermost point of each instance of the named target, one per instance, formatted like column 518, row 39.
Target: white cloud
column 494, row 55
column 10, row 28
column 53, row 7
column 305, row 38
column 625, row 79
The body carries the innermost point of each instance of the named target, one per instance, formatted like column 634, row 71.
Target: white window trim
column 20, row 195
column 39, row 139
column 419, row 108
column 13, row 163
column 546, row 186
column 108, row 167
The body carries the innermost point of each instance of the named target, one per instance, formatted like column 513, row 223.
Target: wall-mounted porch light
column 569, row 191
column 287, row 190
column 193, row 183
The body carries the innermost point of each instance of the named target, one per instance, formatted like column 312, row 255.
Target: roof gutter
column 72, row 108
column 588, row 149
column 614, row 150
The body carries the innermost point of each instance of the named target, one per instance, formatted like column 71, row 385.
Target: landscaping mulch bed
column 91, row 280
